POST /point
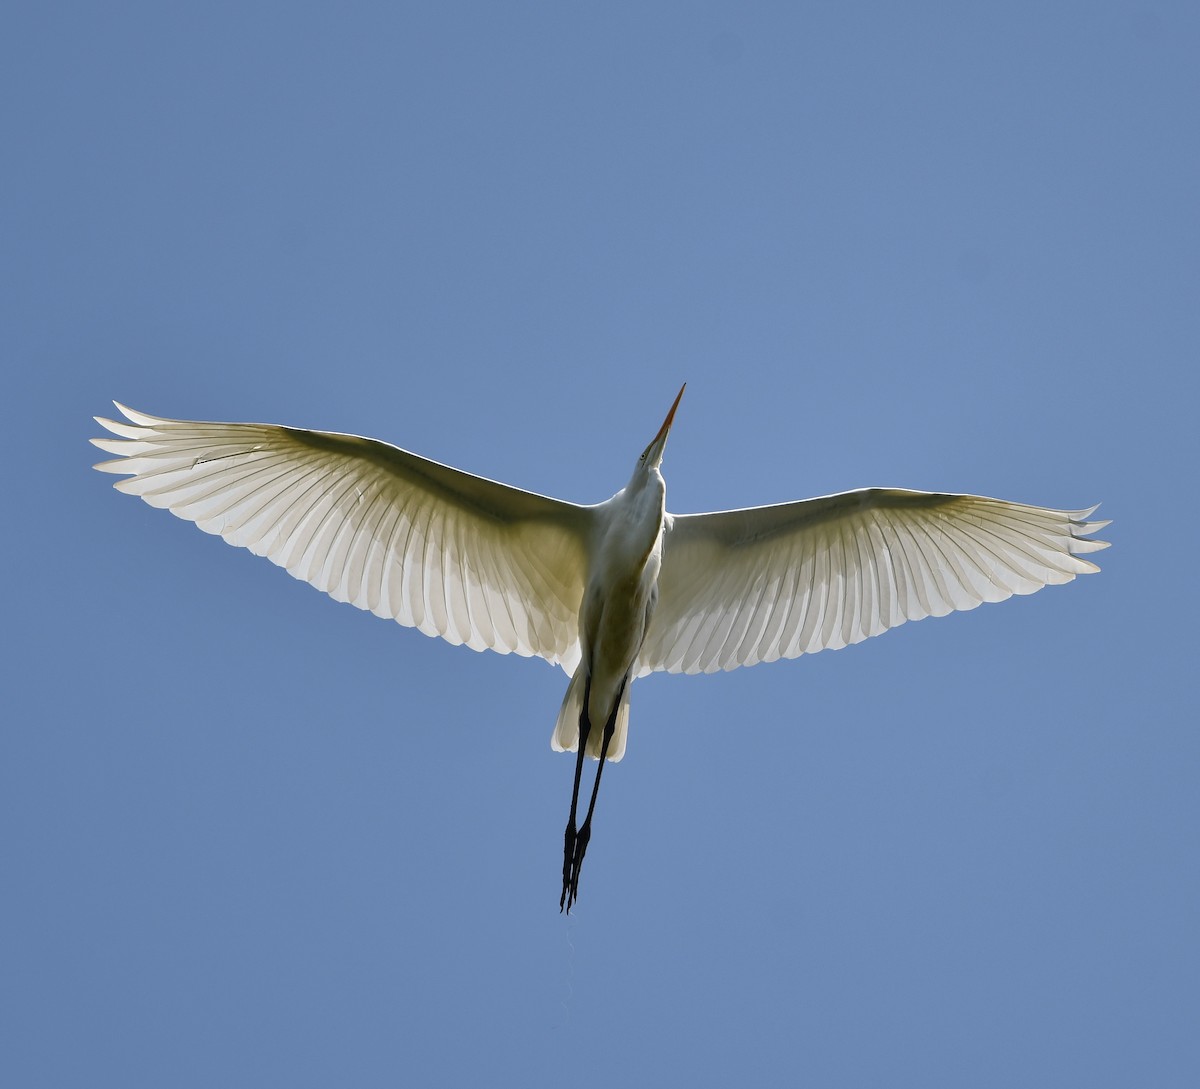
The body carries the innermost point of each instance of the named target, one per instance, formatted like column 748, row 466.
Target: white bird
column 609, row 592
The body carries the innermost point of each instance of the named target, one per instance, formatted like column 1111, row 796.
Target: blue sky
column 250, row 836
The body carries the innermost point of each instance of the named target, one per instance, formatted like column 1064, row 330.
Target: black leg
column 584, row 835
column 569, row 838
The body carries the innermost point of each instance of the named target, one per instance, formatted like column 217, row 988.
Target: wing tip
column 112, row 465
column 141, row 419
column 1082, row 528
column 129, row 413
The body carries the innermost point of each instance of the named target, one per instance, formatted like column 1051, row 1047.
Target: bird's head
column 653, row 454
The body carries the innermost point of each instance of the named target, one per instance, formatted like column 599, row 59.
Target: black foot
column 571, row 874
column 568, row 866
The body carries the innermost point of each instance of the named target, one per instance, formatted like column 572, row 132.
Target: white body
column 618, row 604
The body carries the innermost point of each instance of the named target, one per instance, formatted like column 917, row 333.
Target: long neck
column 636, row 518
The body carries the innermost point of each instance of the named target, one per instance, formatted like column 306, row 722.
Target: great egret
column 609, row 592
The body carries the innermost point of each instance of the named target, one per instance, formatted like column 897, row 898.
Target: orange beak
column 659, row 440
column 662, row 431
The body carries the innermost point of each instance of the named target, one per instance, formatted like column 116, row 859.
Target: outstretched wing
column 431, row 547
column 746, row 586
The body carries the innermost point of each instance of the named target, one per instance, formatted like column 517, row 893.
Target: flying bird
column 609, row 592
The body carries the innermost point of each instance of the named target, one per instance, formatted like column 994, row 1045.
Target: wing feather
column 746, row 586
column 455, row 555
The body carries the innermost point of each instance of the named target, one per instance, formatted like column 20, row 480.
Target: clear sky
column 253, row 837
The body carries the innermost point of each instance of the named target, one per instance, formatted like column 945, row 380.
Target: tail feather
column 566, row 730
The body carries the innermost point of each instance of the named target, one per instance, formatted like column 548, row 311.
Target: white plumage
column 748, row 586
column 609, row 592
column 430, row 547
